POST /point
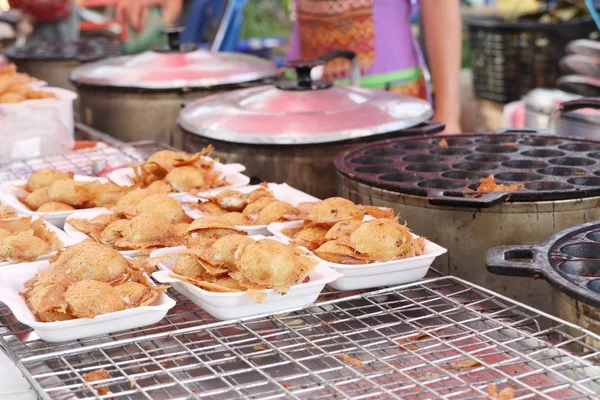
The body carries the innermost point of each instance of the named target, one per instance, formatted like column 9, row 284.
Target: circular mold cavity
column 464, row 175
column 595, row 155
column 487, row 158
column 428, row 167
column 449, row 151
column 442, row 184
column 582, row 250
column 411, row 146
column 585, row 181
column 458, row 142
column 493, row 149
column 538, row 142
column 401, row 178
column 495, row 140
column 370, row 160
column 524, row 164
column 375, row 170
column 571, row 161
column 594, row 236
column 424, row 158
column 517, row 177
column 586, row 268
column 578, row 147
column 594, row 285
column 547, row 186
column 383, row 152
column 561, row 171
column 474, row 166
column 543, row 153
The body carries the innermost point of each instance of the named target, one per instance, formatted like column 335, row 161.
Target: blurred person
column 379, row 32
column 53, row 20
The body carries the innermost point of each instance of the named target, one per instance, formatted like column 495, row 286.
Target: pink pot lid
column 269, row 115
column 174, row 70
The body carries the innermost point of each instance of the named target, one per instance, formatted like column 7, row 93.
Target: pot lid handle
column 303, row 79
column 174, row 44
column 569, row 106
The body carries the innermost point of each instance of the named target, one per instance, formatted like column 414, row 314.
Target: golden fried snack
column 260, row 192
column 7, row 212
column 55, row 206
column 311, row 237
column 41, row 231
column 5, row 233
column 342, row 230
column 205, row 231
column 339, row 253
column 128, row 203
column 39, row 95
column 184, row 179
column 22, row 247
column 189, row 265
column 11, row 98
column 378, row 212
column 268, row 263
column 113, row 231
column 160, row 187
column 147, row 232
column 16, row 225
column 70, row 192
column 45, row 178
column 88, row 299
column 5, row 82
column 133, row 293
column 225, row 251
column 208, row 208
column 237, row 219
column 253, row 209
column 305, row 208
column 162, row 205
column 383, row 240
column 21, row 88
column 93, row 227
column 333, row 210
column 489, row 184
column 47, row 302
column 105, row 194
column 37, row 198
column 230, row 200
column 100, row 263
column 277, row 211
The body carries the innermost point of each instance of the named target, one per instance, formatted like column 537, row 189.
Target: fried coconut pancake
column 253, row 209
column 277, row 211
column 161, row 205
column 160, row 187
column 55, row 206
column 385, row 240
column 333, row 210
column 204, row 231
column 339, row 253
column 7, row 212
column 36, row 199
column 311, row 237
column 225, row 251
column 47, row 302
column 230, row 200
column 68, row 191
column 148, row 232
column 128, row 203
column 237, row 219
column 93, row 227
column 86, row 299
column 105, row 194
column 136, row 294
column 342, row 230
column 22, row 240
column 100, row 263
column 44, row 178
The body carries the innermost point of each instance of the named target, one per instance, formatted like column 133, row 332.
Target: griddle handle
column 354, row 63
column 451, row 199
column 502, row 260
column 573, row 105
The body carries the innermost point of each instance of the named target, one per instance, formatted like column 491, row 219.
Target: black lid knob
column 303, row 79
column 174, row 41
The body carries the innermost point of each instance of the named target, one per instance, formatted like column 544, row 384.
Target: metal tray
column 405, row 342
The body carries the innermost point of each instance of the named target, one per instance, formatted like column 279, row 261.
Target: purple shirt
column 395, row 46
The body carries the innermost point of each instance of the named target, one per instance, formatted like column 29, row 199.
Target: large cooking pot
column 570, row 262
column 430, row 182
column 290, row 132
column 53, row 61
column 139, row 97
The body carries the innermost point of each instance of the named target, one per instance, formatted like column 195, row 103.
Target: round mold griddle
column 570, row 261
column 447, row 169
column 84, row 50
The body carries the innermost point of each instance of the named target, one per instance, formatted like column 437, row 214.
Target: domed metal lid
column 84, row 50
column 302, row 112
column 177, row 67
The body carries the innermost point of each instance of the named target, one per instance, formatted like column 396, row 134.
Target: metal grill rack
column 79, row 162
column 438, row 338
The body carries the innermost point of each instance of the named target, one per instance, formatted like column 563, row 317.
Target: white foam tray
column 282, row 192
column 366, row 276
column 90, row 214
column 231, row 172
column 10, row 191
column 236, row 305
column 12, row 279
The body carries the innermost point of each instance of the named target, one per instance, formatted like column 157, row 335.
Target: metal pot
column 570, row 262
column 430, row 186
column 289, row 132
column 140, row 97
column 572, row 119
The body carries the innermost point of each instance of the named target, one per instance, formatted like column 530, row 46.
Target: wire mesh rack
column 438, row 338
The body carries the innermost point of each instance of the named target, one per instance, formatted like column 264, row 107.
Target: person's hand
column 452, row 128
column 134, row 12
column 452, row 123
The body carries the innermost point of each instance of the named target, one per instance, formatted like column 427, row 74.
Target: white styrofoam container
column 231, row 172
column 49, row 131
column 365, row 276
column 65, row 239
column 236, row 305
column 12, row 279
column 90, row 214
column 10, row 193
column 282, row 192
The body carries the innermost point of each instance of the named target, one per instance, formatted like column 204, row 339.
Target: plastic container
column 35, row 128
column 90, row 214
column 66, row 240
column 238, row 305
column 11, row 191
column 12, row 279
column 231, row 172
column 365, row 276
column 282, row 192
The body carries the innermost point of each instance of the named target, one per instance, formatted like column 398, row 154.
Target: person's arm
column 442, row 26
column 134, row 12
